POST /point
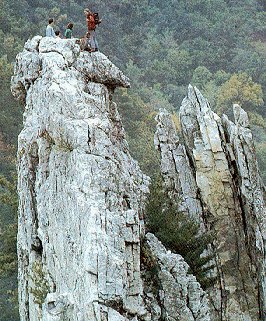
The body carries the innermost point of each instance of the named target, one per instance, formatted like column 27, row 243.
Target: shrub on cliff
column 179, row 234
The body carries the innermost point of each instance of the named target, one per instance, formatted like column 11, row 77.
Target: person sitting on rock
column 49, row 29
column 69, row 31
column 58, row 34
column 92, row 21
column 85, row 43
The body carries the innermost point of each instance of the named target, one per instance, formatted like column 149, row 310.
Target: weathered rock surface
column 178, row 176
column 217, row 157
column 180, row 295
column 80, row 191
column 81, row 199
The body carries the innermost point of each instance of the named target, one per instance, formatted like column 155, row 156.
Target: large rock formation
column 80, row 191
column 213, row 176
column 81, row 199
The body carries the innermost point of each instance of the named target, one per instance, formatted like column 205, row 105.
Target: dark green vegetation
column 162, row 46
column 179, row 233
column 8, row 258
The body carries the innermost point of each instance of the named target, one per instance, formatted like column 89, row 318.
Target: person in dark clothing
column 58, row 34
column 69, row 32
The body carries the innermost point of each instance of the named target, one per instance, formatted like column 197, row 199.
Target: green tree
column 8, row 253
column 242, row 90
column 261, row 156
column 138, row 121
column 9, row 202
column 179, row 233
column 201, row 76
column 10, row 111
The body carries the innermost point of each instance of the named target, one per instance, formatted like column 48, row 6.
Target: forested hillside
column 217, row 45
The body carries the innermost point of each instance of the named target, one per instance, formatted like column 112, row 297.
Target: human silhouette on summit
column 92, row 21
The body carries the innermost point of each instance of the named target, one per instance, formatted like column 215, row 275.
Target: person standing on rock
column 69, row 32
column 49, row 29
column 92, row 21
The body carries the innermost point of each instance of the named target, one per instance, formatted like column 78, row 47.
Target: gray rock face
column 180, row 295
column 80, row 192
column 218, row 157
column 178, row 177
column 81, row 199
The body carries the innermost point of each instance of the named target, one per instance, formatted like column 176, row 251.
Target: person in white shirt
column 49, row 29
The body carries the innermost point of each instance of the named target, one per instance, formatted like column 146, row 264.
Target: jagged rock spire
column 221, row 156
column 178, row 177
column 81, row 194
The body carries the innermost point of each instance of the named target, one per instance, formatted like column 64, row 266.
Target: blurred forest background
column 217, row 45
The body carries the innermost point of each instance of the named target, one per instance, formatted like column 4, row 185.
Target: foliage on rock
column 179, row 234
column 40, row 286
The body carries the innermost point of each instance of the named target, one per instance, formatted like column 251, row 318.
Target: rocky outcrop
column 178, row 177
column 217, row 158
column 81, row 194
column 179, row 295
column 81, row 199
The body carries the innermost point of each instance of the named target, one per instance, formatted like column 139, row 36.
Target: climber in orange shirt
column 92, row 21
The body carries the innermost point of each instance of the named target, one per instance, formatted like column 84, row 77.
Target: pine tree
column 179, row 234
